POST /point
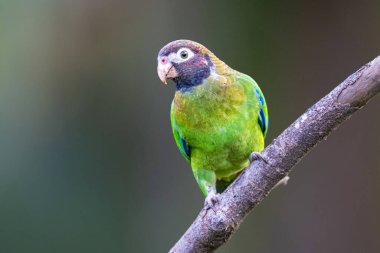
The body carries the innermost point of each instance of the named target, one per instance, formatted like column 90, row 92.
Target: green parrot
column 218, row 115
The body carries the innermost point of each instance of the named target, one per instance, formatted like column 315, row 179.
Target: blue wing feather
column 263, row 114
column 185, row 147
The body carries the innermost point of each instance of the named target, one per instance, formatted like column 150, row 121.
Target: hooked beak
column 165, row 70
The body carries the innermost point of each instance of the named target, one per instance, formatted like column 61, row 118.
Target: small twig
column 212, row 229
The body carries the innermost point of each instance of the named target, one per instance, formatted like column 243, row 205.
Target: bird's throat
column 192, row 79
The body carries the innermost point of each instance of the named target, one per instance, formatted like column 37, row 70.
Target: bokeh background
column 88, row 162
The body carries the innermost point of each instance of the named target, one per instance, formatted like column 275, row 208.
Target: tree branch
column 214, row 227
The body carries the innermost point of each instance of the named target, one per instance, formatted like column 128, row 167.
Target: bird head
column 185, row 62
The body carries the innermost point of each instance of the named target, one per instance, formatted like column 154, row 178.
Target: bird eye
column 184, row 54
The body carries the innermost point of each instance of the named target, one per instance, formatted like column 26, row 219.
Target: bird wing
column 263, row 114
column 179, row 140
column 263, row 118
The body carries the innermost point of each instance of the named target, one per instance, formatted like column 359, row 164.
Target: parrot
column 219, row 116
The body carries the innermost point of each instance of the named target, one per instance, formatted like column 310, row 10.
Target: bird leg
column 206, row 180
column 211, row 199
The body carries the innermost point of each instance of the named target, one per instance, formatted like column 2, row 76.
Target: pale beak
column 165, row 70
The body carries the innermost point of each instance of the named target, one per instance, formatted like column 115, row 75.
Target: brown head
column 187, row 63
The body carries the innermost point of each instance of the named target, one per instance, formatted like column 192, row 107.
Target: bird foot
column 211, row 200
column 256, row 156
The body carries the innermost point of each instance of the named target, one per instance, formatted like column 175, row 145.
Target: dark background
column 87, row 158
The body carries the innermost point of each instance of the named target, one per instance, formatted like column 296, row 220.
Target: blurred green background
column 88, row 162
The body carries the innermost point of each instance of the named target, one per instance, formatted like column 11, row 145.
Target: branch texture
column 213, row 227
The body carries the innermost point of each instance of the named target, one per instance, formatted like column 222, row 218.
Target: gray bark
column 213, row 227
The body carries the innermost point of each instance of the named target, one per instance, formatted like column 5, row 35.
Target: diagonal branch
column 214, row 227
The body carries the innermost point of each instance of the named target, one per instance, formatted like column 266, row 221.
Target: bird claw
column 211, row 200
column 256, row 156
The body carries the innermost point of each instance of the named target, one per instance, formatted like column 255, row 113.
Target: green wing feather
column 263, row 118
column 179, row 140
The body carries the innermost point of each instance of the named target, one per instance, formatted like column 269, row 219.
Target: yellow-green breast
column 218, row 120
